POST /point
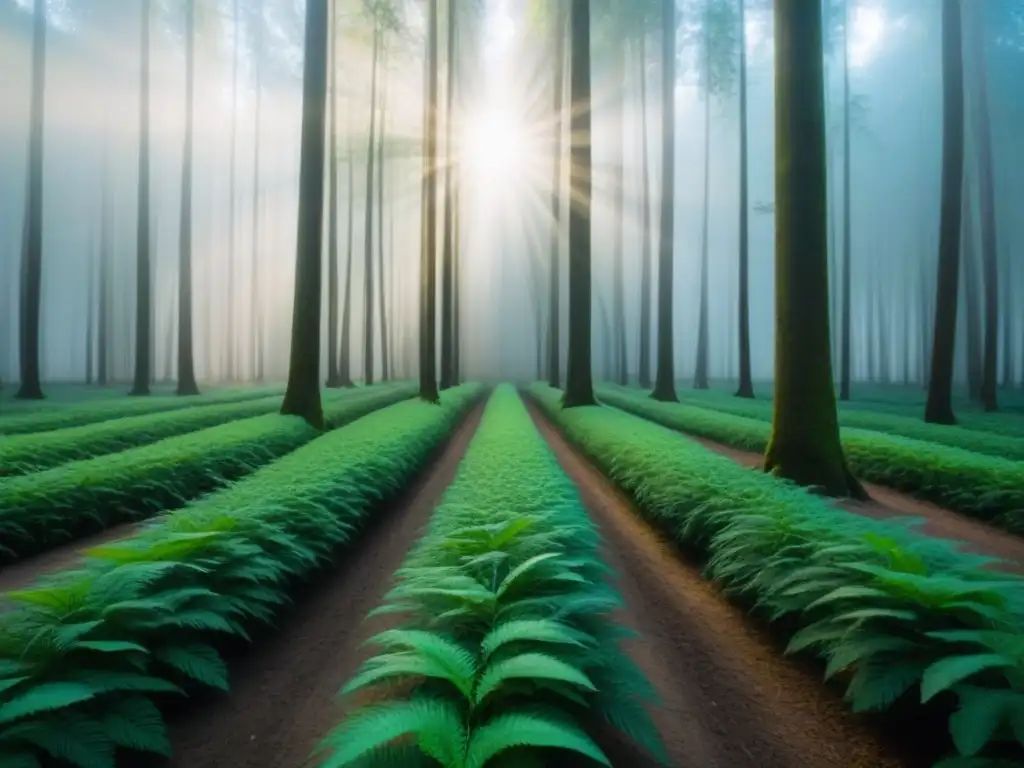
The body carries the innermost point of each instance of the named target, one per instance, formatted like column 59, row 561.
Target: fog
column 244, row 251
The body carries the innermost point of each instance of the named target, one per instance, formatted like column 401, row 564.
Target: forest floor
column 729, row 697
column 284, row 689
column 886, row 504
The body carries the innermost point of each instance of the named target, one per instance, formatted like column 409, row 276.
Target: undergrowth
column 22, row 454
column 505, row 648
column 57, row 415
column 985, row 487
column 43, row 509
column 84, row 655
column 901, row 614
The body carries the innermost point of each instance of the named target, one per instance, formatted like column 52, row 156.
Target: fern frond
column 520, row 729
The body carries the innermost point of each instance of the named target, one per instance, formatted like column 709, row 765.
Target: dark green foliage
column 505, row 621
column 22, row 454
column 986, row 487
column 86, row 648
column 64, row 415
column 891, row 609
column 43, row 509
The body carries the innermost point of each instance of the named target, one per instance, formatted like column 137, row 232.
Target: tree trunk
column 700, row 380
column 554, row 279
column 333, row 377
column 447, row 265
column 90, row 308
column 646, row 267
column 186, row 366
column 939, row 407
column 579, row 385
column 30, row 387
column 457, row 288
column 804, row 445
column 746, row 388
column 143, row 277
column 621, row 372
column 302, row 396
column 345, row 355
column 385, row 373
column 664, row 385
column 844, row 355
column 368, row 221
column 428, row 250
column 986, row 183
column 972, row 305
column 103, row 307
column 254, row 286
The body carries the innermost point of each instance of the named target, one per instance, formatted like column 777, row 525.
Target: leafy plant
column 505, row 646
column 890, row 609
column 43, row 509
column 82, row 656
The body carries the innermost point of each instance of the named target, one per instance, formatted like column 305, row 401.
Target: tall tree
column 939, row 406
column 746, row 387
column 385, row 372
column 844, row 355
column 619, row 192
column 448, row 246
column 302, row 396
column 103, row 290
column 333, row 375
column 579, row 386
column 231, row 344
column 555, row 265
column 143, row 271
column 646, row 267
column 700, row 379
column 804, row 445
column 32, row 251
column 368, row 223
column 428, row 246
column 186, row 366
column 256, row 315
column 664, row 384
column 345, row 355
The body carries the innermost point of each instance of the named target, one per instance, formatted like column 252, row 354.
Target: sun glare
column 494, row 144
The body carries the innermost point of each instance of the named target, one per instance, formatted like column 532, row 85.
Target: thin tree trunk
column 345, row 356
column 143, row 276
column 302, row 396
column 428, row 246
column 746, row 387
column 333, row 377
column 579, row 385
column 664, row 385
column 457, row 290
column 90, row 308
column 701, row 368
column 186, row 366
column 972, row 304
column 232, row 373
column 555, row 266
column 254, row 288
column 103, row 307
column 646, row 266
column 30, row 387
column 804, row 445
column 368, row 222
column 619, row 279
column 447, row 256
column 385, row 373
column 844, row 355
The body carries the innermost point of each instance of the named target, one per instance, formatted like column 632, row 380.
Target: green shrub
column 83, row 654
column 505, row 608
column 985, row 487
column 892, row 609
column 43, row 509
column 64, row 415
column 21, row 454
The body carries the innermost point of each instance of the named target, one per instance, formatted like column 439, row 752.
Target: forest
column 511, row 383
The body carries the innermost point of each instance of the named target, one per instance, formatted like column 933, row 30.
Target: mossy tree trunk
column 186, row 358
column 664, row 383
column 939, row 406
column 143, row 272
column 428, row 245
column 302, row 396
column 646, row 267
column 746, row 387
column 554, row 264
column 579, row 384
column 804, row 445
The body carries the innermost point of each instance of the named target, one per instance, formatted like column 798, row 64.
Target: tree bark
column 447, row 256
column 646, row 267
column 385, row 372
column 186, row 365
column 746, row 387
column 103, row 303
column 232, row 370
column 939, row 406
column 345, row 355
column 254, row 286
column 700, row 380
column 302, row 396
column 368, row 221
column 972, row 305
column 333, row 376
column 428, row 251
column 621, row 372
column 664, row 384
column 844, row 355
column 143, row 276
column 554, row 279
column 579, row 385
column 804, row 445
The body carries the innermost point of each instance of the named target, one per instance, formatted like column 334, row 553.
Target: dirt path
column 885, row 504
column 24, row 572
column 729, row 698
column 283, row 697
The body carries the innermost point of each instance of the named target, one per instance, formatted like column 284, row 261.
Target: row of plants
column 87, row 655
column 896, row 615
column 985, row 487
column 64, row 415
column 44, row 509
column 32, row 452
column 504, row 647
column 990, row 444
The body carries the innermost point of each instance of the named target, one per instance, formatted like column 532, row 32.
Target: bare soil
column 969, row 534
column 284, row 689
column 729, row 698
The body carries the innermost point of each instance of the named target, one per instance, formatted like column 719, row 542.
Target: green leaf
column 199, row 662
column 529, row 666
column 135, row 723
column 520, row 729
column 44, row 698
column 945, row 673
